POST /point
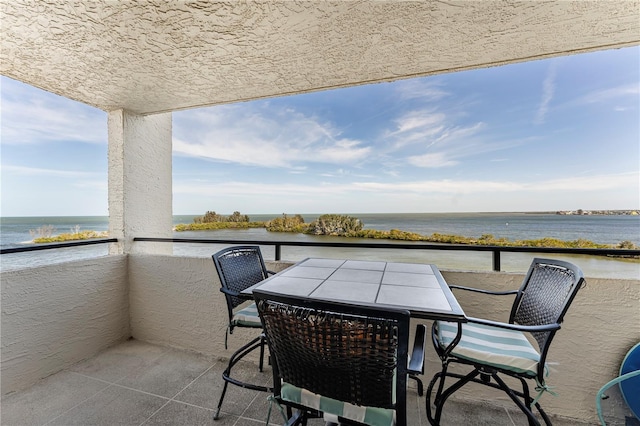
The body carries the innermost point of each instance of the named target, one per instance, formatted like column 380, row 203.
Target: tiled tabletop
column 420, row 288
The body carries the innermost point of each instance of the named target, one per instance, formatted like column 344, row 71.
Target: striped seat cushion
column 332, row 408
column 498, row 347
column 247, row 317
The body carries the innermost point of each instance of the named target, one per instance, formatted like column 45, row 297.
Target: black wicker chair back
column 347, row 353
column 545, row 296
column 239, row 268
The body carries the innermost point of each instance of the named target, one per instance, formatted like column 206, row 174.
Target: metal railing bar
column 496, row 250
column 415, row 246
column 58, row 245
column 496, row 261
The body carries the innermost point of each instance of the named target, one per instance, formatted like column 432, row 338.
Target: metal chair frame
column 629, row 384
column 238, row 268
column 552, row 281
column 346, row 352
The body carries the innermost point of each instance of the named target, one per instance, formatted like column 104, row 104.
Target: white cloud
column 435, row 160
column 451, row 145
column 418, row 126
column 269, row 138
column 444, row 195
column 619, row 98
column 438, row 141
column 34, row 171
column 443, row 186
column 243, row 189
column 31, row 116
column 461, row 132
column 548, row 89
column 420, row 89
column 581, row 184
column 588, row 183
column 629, row 90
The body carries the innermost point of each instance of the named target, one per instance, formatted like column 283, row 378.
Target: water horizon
column 14, row 232
column 601, row 229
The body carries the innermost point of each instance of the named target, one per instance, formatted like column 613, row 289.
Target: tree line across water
column 347, row 226
column 330, row 224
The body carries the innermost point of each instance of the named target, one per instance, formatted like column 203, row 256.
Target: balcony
column 139, row 339
column 70, row 325
column 137, row 383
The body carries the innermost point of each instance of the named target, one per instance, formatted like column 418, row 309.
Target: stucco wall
column 139, row 177
column 54, row 316
column 176, row 301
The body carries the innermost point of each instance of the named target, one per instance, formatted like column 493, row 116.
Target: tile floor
column 136, row 383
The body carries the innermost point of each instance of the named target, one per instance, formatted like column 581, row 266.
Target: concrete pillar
column 140, row 180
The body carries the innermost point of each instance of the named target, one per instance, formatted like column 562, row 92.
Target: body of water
column 18, row 231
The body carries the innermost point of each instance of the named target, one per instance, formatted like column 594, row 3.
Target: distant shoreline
column 623, row 212
column 598, row 212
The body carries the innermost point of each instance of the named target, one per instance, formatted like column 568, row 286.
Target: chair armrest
column 478, row 290
column 518, row 327
column 416, row 364
column 230, row 292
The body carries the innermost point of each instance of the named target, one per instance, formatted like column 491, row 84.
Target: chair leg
column 528, row 401
column 216, row 415
column 419, row 383
column 524, row 406
column 263, row 342
column 297, row 418
column 547, row 420
column 433, row 381
column 256, row 343
column 443, row 394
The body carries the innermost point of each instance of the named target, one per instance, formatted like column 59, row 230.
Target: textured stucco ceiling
column 149, row 57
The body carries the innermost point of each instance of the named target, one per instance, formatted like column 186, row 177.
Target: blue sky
column 554, row 134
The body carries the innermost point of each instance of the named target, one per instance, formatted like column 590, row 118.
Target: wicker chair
column 493, row 348
column 344, row 362
column 238, row 268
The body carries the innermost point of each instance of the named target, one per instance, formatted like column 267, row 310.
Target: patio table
column 419, row 288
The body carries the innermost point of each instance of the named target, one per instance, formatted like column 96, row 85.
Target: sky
column 546, row 135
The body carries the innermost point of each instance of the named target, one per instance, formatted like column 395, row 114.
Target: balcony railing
column 58, row 245
column 495, row 250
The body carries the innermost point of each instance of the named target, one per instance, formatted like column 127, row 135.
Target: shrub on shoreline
column 287, row 224
column 337, row 225
column 212, row 226
column 80, row 235
column 213, row 217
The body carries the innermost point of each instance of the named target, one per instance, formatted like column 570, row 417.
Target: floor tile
column 457, row 412
column 120, row 361
column 177, row 413
column 168, row 374
column 113, row 406
column 48, row 399
column 163, row 386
